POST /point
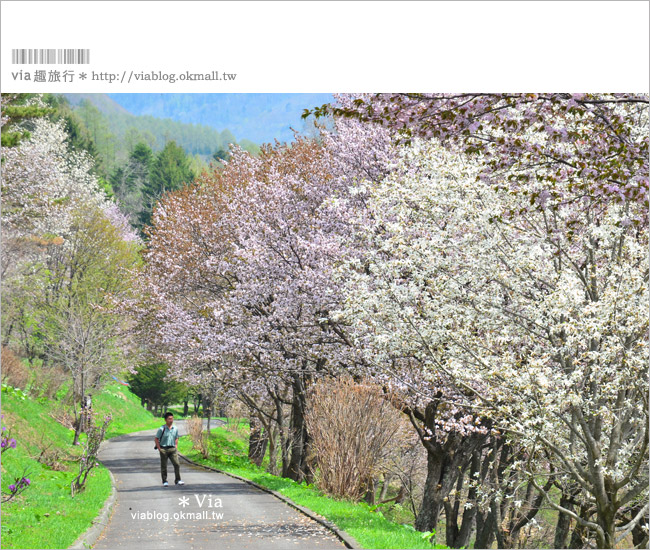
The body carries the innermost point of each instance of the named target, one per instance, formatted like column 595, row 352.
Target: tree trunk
column 563, row 526
column 186, row 407
column 79, row 424
column 485, row 527
column 282, row 432
column 297, row 464
column 273, row 451
column 580, row 533
column 309, row 462
column 207, row 410
column 640, row 532
column 5, row 342
column 384, row 486
column 257, row 442
column 444, row 463
column 607, row 520
column 455, row 536
column 371, row 490
column 433, row 494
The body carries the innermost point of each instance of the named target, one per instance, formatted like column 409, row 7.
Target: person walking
column 167, row 443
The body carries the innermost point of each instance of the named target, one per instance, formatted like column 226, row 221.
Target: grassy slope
column 45, row 515
column 370, row 528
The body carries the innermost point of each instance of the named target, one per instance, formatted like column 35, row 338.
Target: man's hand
column 158, row 444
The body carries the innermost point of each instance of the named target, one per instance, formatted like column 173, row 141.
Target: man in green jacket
column 167, row 443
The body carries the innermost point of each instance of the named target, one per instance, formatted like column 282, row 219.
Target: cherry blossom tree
column 537, row 316
column 478, row 255
column 240, row 270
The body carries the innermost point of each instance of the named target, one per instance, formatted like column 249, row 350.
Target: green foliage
column 17, row 392
column 170, row 170
column 129, row 180
column 19, row 110
column 149, row 384
column 196, row 139
column 127, row 413
column 221, row 154
column 106, row 142
column 130, row 161
column 197, row 164
column 76, row 301
column 142, row 155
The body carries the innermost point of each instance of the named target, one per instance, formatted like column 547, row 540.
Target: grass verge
column 45, row 515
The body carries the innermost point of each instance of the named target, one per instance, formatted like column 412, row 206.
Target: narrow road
column 220, row 512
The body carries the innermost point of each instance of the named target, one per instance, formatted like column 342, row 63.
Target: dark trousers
column 173, row 456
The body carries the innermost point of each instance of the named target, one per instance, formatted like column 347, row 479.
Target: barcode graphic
column 50, row 56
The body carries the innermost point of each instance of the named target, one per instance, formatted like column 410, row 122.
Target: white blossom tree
column 537, row 316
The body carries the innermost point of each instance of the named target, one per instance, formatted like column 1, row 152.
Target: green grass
column 127, row 413
column 177, row 411
column 367, row 525
column 45, row 515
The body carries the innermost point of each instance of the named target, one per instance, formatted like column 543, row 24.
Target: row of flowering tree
column 482, row 257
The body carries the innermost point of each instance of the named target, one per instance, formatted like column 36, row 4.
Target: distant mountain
column 102, row 101
column 155, row 129
column 261, row 118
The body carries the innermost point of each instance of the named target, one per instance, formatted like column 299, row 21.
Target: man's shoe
column 165, row 484
column 179, row 482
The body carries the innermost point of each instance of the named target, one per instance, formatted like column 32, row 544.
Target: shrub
column 14, row 372
column 353, row 427
column 49, row 455
column 235, row 411
column 95, row 435
column 198, row 437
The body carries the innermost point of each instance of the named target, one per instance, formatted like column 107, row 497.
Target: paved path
column 148, row 516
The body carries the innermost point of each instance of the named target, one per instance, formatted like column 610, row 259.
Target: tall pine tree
column 170, row 170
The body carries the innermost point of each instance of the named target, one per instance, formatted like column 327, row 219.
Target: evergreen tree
column 18, row 109
column 140, row 163
column 150, row 385
column 130, row 180
column 221, row 154
column 170, row 170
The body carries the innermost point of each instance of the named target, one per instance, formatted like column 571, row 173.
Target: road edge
column 88, row 538
column 344, row 537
